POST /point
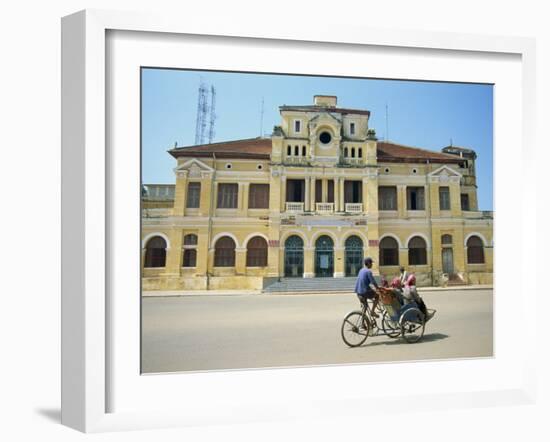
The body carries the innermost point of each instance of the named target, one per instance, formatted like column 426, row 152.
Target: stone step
column 311, row 285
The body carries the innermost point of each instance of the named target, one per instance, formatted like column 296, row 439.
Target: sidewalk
column 259, row 292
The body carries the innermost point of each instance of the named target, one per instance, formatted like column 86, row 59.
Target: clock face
column 325, row 137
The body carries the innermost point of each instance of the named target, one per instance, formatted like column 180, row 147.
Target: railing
column 296, row 160
column 324, row 207
column 294, row 207
column 353, row 161
column 354, row 207
column 478, row 214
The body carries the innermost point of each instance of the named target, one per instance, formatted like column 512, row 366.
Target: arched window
column 359, row 153
column 389, row 252
column 417, row 251
column 289, row 150
column 345, row 152
column 475, row 250
column 256, row 252
column 353, row 152
column 303, row 151
column 294, row 256
column 446, row 240
column 353, row 255
column 296, row 150
column 190, row 250
column 155, row 252
column 224, row 252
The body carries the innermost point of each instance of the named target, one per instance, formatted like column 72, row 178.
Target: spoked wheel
column 355, row 329
column 391, row 328
column 412, row 325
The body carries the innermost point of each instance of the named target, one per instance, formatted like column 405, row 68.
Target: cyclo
column 397, row 317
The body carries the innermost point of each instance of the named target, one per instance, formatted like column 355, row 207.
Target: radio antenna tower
column 202, row 109
column 211, row 131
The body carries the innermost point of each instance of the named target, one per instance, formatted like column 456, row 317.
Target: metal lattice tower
column 211, row 131
column 202, row 111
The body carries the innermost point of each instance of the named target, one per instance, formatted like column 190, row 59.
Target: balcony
column 295, row 207
column 353, row 161
column 354, row 207
column 296, row 161
column 324, row 208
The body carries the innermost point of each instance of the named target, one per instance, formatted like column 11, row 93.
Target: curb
column 161, row 294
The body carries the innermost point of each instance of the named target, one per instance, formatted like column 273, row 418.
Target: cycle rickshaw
column 396, row 319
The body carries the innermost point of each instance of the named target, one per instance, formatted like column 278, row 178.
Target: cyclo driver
column 366, row 286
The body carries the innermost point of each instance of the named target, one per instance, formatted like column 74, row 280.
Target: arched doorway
column 294, row 257
column 324, row 257
column 447, row 254
column 353, row 255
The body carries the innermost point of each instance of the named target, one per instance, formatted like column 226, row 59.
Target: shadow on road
column 430, row 337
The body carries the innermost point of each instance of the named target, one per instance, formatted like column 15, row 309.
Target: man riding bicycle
column 366, row 286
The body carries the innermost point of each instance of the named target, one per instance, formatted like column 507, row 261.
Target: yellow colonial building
column 312, row 201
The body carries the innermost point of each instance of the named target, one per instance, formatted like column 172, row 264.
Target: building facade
column 312, row 201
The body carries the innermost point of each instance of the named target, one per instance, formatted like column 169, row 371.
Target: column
column 181, row 191
column 208, row 193
column 402, row 201
column 325, row 190
column 309, row 262
column 368, row 198
column 312, row 196
column 339, row 262
column 307, row 203
column 283, row 194
column 244, row 188
column 337, row 195
column 454, row 190
column 342, row 197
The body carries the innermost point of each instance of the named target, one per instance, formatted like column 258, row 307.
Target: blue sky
column 422, row 114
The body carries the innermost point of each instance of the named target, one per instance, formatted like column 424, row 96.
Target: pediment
column 445, row 173
column 194, row 168
column 325, row 117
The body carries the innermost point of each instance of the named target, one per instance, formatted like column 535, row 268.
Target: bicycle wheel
column 355, row 329
column 391, row 328
column 412, row 325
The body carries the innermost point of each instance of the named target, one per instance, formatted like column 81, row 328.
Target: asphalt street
column 217, row 332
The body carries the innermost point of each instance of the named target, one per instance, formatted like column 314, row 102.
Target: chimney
column 325, row 100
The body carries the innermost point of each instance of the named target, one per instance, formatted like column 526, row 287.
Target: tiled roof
column 335, row 110
column 259, row 148
column 393, row 152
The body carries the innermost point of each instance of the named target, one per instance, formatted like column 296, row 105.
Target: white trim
column 444, row 167
column 422, row 235
column 219, row 235
column 319, row 233
column 354, row 232
column 285, row 234
column 252, row 235
column 192, row 161
column 145, row 240
column 391, row 235
column 485, row 243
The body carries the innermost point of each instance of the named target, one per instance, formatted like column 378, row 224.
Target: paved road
column 209, row 332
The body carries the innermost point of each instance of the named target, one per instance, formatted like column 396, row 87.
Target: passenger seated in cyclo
column 404, row 288
column 366, row 286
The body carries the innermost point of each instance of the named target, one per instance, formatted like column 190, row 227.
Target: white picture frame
column 86, row 308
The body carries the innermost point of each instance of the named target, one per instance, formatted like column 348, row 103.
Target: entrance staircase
column 311, row 285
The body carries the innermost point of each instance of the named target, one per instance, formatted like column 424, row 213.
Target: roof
column 399, row 153
column 254, row 148
column 334, row 110
column 260, row 148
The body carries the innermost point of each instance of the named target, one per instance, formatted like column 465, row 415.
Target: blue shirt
column 364, row 278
